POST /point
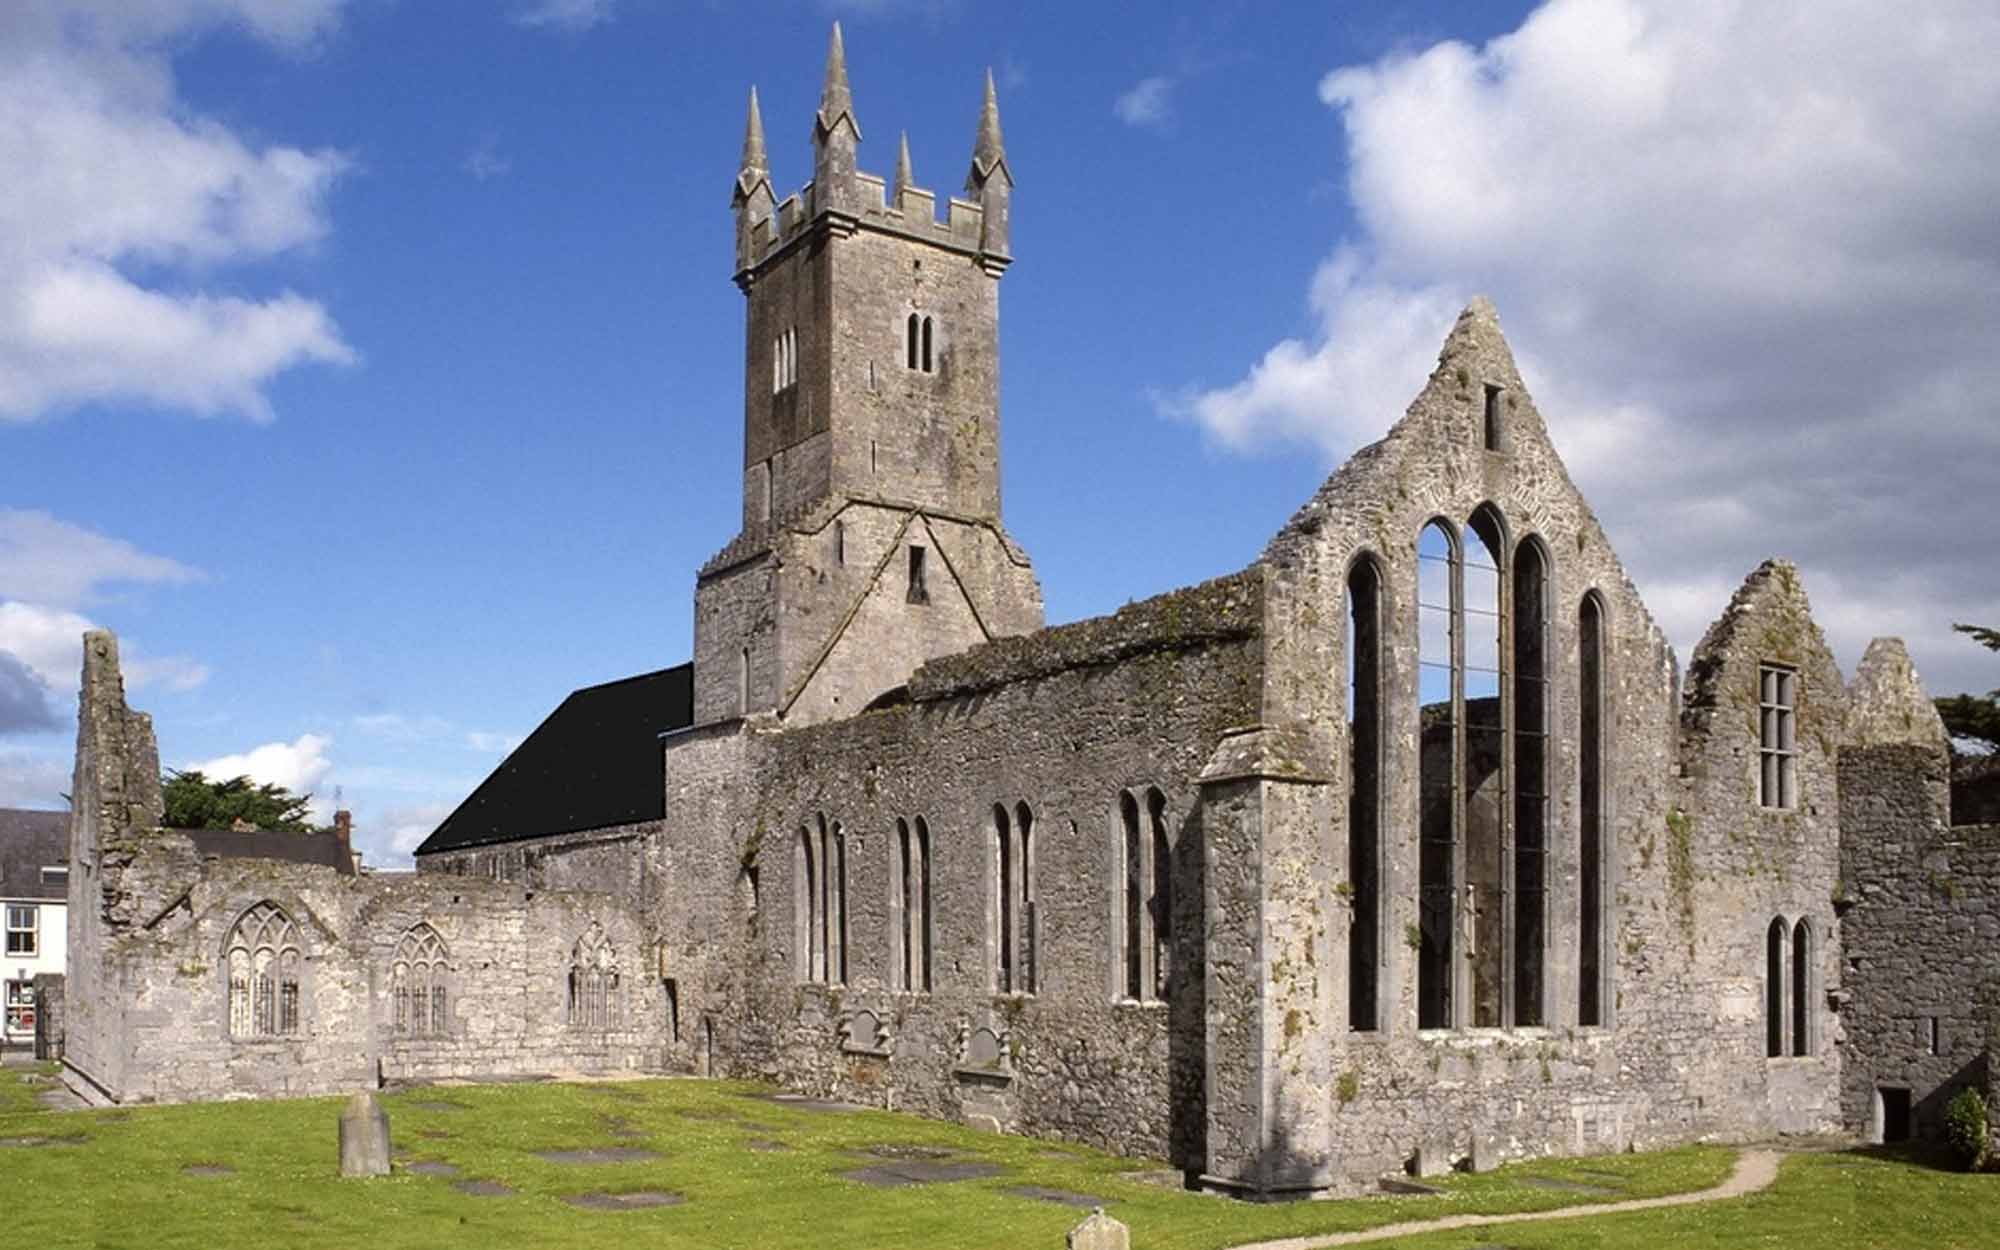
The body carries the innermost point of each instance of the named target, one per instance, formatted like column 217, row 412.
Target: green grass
column 120, row 1181
column 1856, row 1200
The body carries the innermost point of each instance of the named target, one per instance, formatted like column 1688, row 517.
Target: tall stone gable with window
column 1402, row 845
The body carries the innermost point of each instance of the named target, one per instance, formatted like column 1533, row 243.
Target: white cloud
column 49, row 641
column 570, row 15
column 403, row 829
column 298, row 766
column 1748, row 258
column 24, row 698
column 112, row 178
column 1150, row 102
column 53, row 562
column 31, row 779
column 397, row 727
column 485, row 161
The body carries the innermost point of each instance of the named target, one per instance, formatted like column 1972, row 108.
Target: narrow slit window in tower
column 1493, row 394
column 918, row 592
column 927, row 345
column 910, row 343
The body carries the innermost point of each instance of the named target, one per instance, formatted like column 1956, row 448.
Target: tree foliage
column 193, row 801
column 1974, row 716
column 1965, row 1130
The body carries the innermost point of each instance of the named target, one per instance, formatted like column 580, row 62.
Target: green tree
column 195, row 802
column 1974, row 716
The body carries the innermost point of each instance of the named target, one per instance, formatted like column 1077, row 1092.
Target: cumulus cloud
column 24, row 698
column 1150, row 102
column 48, row 561
column 1748, row 259
column 120, row 199
column 49, row 642
column 403, row 829
column 298, row 766
column 570, row 15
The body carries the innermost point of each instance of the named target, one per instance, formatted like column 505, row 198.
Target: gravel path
column 1755, row 1170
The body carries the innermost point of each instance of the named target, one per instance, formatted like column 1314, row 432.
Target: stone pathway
column 1755, row 1170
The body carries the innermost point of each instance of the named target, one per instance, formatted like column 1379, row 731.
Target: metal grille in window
column 1777, row 741
column 593, row 982
column 420, row 976
column 264, row 964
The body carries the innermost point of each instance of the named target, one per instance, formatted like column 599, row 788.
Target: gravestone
column 364, row 1137
column 1100, row 1232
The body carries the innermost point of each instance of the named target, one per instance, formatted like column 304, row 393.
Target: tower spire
column 835, row 100
column 989, row 151
column 903, row 179
column 755, row 168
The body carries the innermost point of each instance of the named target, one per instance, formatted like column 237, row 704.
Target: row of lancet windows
column 1142, row 843
column 1799, row 1034
column 265, row 962
column 1483, row 711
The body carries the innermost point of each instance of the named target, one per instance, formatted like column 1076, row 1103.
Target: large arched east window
column 420, row 977
column 1364, row 791
column 1482, row 820
column 264, row 963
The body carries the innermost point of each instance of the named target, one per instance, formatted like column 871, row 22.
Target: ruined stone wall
column 1754, row 864
column 1062, row 722
column 1975, row 790
column 1922, row 929
column 509, row 952
column 1529, row 1089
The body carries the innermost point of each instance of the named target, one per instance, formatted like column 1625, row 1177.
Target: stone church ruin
column 1407, row 841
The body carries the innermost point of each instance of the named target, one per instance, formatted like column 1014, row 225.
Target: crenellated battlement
column 911, row 212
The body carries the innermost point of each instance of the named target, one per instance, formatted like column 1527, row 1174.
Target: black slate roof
column 29, row 842
column 324, row 849
column 594, row 763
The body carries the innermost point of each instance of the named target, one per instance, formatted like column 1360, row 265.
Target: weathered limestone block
column 1100, row 1232
column 364, row 1137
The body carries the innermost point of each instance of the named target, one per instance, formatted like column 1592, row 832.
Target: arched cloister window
column 264, row 963
column 1590, row 825
column 1802, row 981
column 806, row 930
column 1531, row 782
column 1364, row 790
column 1437, row 766
column 420, row 979
column 1774, row 988
column 593, row 982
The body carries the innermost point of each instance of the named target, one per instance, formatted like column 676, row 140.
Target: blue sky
column 373, row 368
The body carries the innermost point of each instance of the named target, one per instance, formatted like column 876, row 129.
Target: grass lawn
column 267, row 1175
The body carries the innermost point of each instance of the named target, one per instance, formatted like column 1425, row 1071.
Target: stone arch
column 264, row 962
column 594, row 999
column 420, row 979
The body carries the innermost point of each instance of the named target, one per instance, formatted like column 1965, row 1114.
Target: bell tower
column 871, row 428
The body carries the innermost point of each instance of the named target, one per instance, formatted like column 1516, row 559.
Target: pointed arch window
column 1012, row 933
column 1802, row 981
column 1364, row 790
column 1591, row 861
column 1144, row 849
column 1482, row 837
column 264, row 963
column 806, row 927
column 420, row 981
column 593, row 982
column 910, row 896
column 917, row 331
column 1774, row 988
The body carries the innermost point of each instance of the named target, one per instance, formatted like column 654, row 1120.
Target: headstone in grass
column 1485, row 1154
column 364, row 1137
column 1100, row 1232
